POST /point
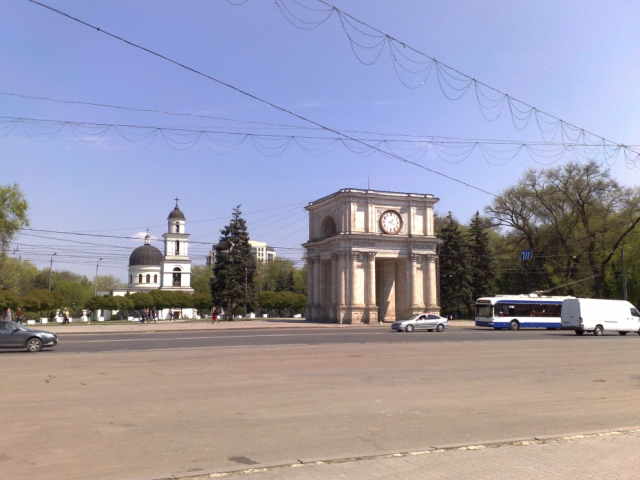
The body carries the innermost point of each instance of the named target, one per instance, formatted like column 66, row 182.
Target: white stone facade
column 150, row 269
column 371, row 256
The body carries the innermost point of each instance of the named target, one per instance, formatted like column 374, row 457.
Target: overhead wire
column 258, row 99
column 449, row 150
column 453, row 83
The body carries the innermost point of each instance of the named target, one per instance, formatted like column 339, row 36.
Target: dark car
column 14, row 335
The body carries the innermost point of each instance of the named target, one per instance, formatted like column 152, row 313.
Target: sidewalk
column 202, row 325
column 591, row 456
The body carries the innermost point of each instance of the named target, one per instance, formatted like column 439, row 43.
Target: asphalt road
column 191, row 402
column 226, row 339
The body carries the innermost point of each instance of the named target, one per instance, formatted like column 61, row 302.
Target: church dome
column 176, row 214
column 146, row 254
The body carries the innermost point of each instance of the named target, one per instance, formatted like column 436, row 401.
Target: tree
column 573, row 217
column 202, row 301
column 8, row 300
column 107, row 283
column 283, row 303
column 235, row 266
column 13, row 214
column 42, row 301
column 455, row 271
column 16, row 275
column 201, row 279
column 74, row 293
column 142, row 300
column 481, row 259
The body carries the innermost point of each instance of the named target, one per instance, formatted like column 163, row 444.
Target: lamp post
column 95, row 292
column 51, row 270
column 246, row 274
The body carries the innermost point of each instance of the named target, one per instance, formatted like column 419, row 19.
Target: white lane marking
column 156, row 339
column 195, row 348
column 79, row 340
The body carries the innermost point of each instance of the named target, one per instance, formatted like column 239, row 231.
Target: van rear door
column 570, row 313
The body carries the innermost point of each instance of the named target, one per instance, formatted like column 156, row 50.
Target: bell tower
column 176, row 267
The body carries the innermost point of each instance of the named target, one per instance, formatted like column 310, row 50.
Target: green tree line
column 575, row 219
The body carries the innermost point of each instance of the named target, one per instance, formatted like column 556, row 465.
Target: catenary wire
column 261, row 100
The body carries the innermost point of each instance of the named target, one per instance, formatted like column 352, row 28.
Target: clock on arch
column 391, row 222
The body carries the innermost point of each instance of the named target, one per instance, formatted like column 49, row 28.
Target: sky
column 576, row 60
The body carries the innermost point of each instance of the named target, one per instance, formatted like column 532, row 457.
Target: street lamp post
column 51, row 270
column 246, row 274
column 95, row 292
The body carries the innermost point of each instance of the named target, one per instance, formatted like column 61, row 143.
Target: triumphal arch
column 371, row 256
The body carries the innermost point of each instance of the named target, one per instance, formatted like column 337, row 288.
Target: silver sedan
column 421, row 321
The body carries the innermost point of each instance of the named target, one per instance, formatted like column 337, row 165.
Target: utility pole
column 246, row 276
column 95, row 291
column 624, row 276
column 51, row 270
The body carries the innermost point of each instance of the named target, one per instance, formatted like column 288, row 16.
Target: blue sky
column 577, row 60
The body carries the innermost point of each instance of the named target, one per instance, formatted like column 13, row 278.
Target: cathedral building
column 150, row 269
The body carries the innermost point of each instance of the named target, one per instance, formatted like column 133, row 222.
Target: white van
column 598, row 316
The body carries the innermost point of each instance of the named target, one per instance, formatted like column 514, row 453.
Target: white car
column 421, row 321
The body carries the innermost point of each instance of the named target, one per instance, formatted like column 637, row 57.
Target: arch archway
column 328, row 226
column 177, row 277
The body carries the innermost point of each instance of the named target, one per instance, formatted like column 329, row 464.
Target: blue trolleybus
column 519, row 311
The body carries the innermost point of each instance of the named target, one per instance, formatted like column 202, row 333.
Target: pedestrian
column 65, row 316
column 154, row 315
column 170, row 314
column 214, row 316
column 143, row 313
column 19, row 316
column 8, row 315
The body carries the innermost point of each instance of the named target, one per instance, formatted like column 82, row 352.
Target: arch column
column 355, row 297
column 371, row 311
column 310, row 289
column 317, row 294
column 430, row 286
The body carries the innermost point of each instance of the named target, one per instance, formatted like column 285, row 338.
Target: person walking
column 8, row 315
column 143, row 314
column 171, row 314
column 19, row 316
column 214, row 315
column 65, row 316
column 154, row 315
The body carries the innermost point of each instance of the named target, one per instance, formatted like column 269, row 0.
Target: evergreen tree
column 290, row 284
column 235, row 267
column 455, row 271
column 280, row 283
column 482, row 259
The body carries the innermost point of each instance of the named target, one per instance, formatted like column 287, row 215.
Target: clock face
column 391, row 222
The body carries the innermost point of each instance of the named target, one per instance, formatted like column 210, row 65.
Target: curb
column 520, row 441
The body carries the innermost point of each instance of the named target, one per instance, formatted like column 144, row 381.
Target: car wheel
column 34, row 345
column 622, row 333
column 409, row 328
column 579, row 332
column 598, row 330
column 440, row 328
column 514, row 325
